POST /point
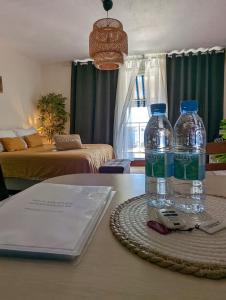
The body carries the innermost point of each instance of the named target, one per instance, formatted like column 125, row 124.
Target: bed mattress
column 44, row 162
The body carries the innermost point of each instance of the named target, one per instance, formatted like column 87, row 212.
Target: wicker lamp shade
column 107, row 44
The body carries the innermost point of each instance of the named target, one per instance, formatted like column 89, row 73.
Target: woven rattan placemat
column 194, row 252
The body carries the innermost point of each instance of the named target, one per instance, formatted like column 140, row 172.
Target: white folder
column 51, row 219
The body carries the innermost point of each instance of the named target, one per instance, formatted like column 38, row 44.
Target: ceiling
column 58, row 30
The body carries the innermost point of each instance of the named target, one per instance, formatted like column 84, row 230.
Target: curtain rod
column 86, row 60
column 144, row 57
column 139, row 56
column 218, row 49
column 196, row 51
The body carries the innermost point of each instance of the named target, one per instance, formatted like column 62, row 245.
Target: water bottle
column 189, row 159
column 158, row 142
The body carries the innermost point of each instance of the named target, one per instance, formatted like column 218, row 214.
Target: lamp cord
column 107, row 19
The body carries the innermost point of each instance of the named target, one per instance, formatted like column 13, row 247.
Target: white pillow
column 67, row 141
column 24, row 131
column 5, row 134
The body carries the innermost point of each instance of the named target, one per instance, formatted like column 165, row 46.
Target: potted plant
column 222, row 131
column 221, row 158
column 52, row 115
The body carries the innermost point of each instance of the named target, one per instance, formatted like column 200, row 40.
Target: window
column 137, row 120
column 139, row 91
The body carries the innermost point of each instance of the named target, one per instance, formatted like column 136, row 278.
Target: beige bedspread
column 44, row 162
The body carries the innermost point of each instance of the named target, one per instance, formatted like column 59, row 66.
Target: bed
column 45, row 161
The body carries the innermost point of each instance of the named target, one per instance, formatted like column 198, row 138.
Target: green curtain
column 197, row 76
column 93, row 94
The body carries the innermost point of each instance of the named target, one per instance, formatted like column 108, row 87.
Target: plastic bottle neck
column 158, row 114
column 185, row 112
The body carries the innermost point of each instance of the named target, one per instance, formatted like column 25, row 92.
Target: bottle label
column 158, row 164
column 189, row 166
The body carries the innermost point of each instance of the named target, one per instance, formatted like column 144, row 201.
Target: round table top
column 106, row 270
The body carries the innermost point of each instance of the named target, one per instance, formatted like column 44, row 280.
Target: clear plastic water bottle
column 189, row 159
column 158, row 142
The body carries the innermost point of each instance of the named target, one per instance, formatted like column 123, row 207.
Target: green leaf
column 52, row 114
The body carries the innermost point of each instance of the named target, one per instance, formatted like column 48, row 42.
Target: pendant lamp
column 108, row 42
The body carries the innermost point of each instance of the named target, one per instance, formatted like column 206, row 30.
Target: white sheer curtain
column 154, row 69
column 155, row 79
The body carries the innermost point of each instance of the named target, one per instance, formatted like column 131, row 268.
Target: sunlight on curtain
column 130, row 120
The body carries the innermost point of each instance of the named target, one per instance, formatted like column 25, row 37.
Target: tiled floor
column 137, row 170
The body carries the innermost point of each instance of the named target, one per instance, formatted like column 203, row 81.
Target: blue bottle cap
column 159, row 108
column 188, row 105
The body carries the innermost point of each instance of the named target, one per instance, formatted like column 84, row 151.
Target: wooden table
column 107, row 270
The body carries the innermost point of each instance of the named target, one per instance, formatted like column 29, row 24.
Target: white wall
column 57, row 79
column 225, row 88
column 22, row 84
